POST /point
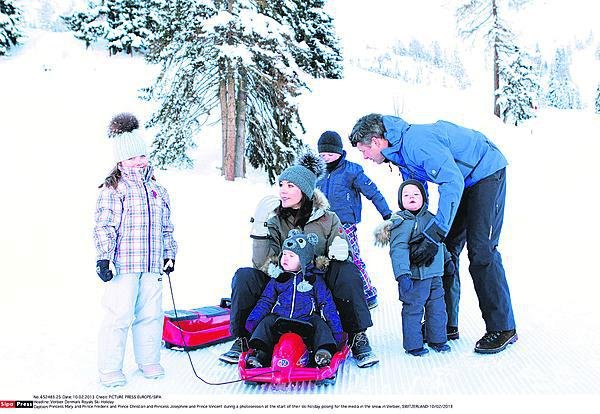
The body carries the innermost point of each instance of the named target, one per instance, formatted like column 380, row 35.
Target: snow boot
column 361, row 350
column 417, row 352
column 152, row 371
column 439, row 347
column 496, row 341
column 113, row 379
column 322, row 357
column 233, row 355
column 452, row 332
column 258, row 360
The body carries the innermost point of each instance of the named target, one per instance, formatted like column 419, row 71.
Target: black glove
column 423, row 252
column 387, row 216
column 449, row 268
column 169, row 266
column 103, row 271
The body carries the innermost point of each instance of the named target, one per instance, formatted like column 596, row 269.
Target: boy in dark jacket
column 298, row 292
column 343, row 185
column 420, row 286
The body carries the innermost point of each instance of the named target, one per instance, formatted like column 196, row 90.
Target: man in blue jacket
column 470, row 173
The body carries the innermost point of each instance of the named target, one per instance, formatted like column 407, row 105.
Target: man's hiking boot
column 496, row 341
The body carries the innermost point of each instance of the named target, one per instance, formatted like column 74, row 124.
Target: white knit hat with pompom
column 126, row 136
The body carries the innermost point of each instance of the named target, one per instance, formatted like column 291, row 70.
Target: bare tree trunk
column 223, row 100
column 496, row 65
column 229, row 161
column 240, row 147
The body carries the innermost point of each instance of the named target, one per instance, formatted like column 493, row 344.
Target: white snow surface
column 56, row 99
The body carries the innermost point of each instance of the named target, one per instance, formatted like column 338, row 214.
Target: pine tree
column 130, row 24
column 562, row 92
column 519, row 86
column 484, row 16
column 226, row 54
column 11, row 25
column 90, row 24
column 598, row 99
column 127, row 25
column 318, row 52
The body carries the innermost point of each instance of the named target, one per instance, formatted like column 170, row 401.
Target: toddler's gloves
column 405, row 283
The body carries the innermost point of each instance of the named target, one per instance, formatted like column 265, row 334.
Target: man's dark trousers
column 478, row 223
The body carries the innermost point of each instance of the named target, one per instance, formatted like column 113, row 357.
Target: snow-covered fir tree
column 127, row 25
column 519, row 86
column 130, row 23
column 562, row 92
column 90, row 24
column 597, row 103
column 318, row 52
column 11, row 25
column 226, row 55
column 484, row 16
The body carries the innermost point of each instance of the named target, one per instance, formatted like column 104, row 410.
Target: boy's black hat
column 419, row 186
column 330, row 141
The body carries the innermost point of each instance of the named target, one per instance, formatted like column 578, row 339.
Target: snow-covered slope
column 56, row 101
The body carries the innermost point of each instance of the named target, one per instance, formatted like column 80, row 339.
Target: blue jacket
column 284, row 297
column 343, row 187
column 443, row 153
column 406, row 226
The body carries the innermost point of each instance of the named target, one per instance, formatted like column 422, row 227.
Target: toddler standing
column 419, row 287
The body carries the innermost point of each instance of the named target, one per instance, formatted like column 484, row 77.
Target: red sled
column 196, row 328
column 291, row 361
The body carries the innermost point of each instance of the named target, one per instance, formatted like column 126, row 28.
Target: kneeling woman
column 301, row 206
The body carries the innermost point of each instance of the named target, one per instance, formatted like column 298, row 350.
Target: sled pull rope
column 188, row 352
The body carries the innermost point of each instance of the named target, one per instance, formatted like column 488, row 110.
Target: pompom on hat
column 127, row 139
column 305, row 173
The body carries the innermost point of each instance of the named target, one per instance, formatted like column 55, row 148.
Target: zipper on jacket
column 149, row 224
column 293, row 298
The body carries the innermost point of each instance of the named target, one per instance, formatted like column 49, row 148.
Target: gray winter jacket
column 398, row 232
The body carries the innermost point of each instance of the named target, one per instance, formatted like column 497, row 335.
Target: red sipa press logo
column 16, row 404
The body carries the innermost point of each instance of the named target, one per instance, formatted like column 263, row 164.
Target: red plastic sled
column 290, row 362
column 200, row 327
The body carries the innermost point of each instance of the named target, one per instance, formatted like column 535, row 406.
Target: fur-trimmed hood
column 382, row 231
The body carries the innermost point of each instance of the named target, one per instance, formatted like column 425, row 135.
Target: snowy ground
column 56, row 100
